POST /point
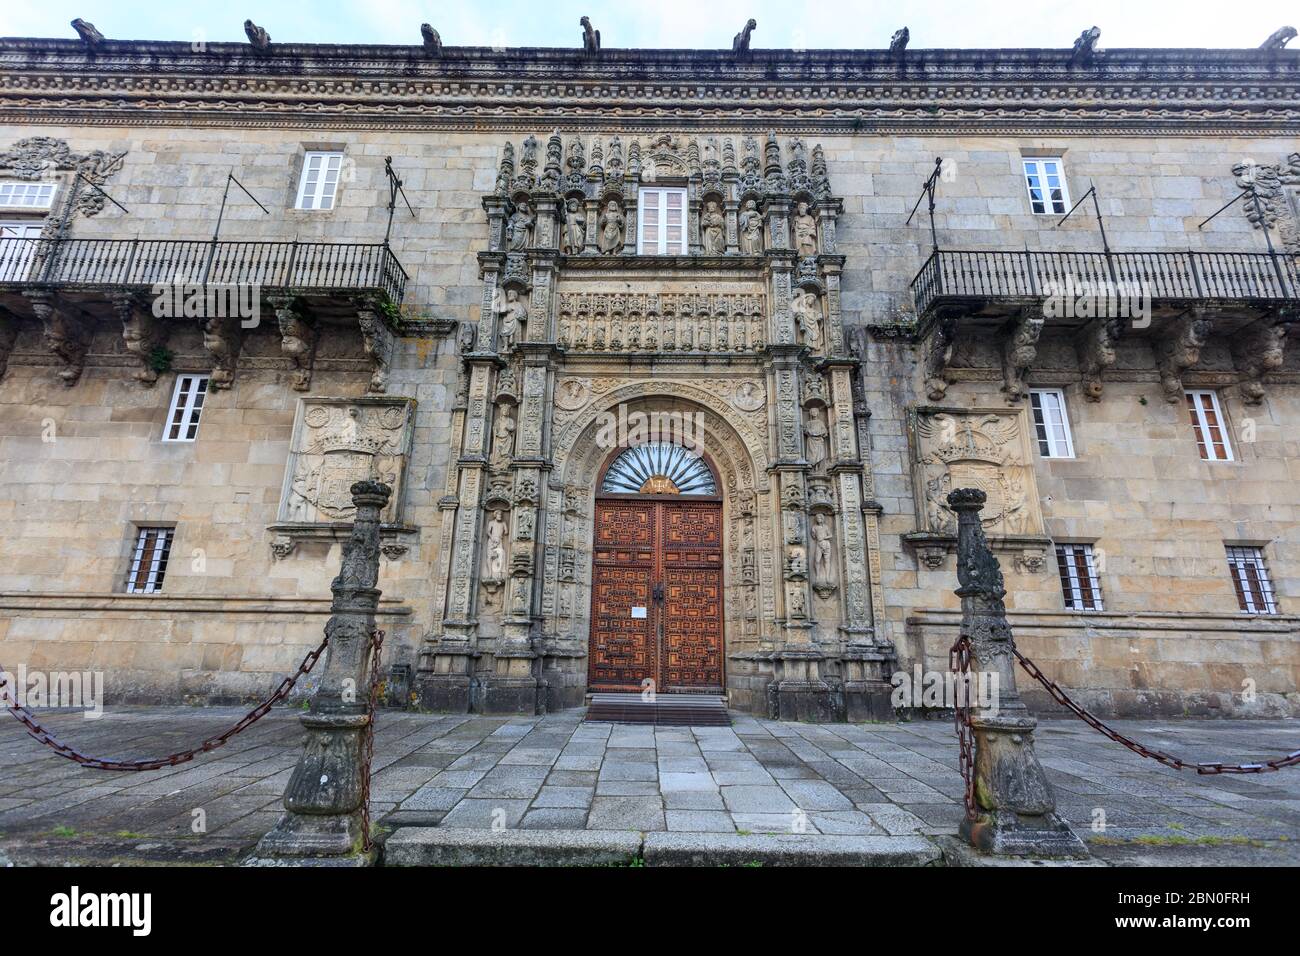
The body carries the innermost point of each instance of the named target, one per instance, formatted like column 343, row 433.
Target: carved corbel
column 67, row 336
column 1019, row 349
column 144, row 334
column 8, row 335
column 938, row 353
column 297, row 341
column 223, row 338
column 1095, row 347
column 379, row 342
column 1258, row 349
column 282, row 546
column 1180, row 348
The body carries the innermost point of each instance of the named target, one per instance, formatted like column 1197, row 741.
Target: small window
column 1079, row 582
column 20, row 196
column 153, row 546
column 1051, row 423
column 661, row 222
column 187, row 406
column 1207, row 422
column 1250, row 579
column 320, row 180
column 1045, row 179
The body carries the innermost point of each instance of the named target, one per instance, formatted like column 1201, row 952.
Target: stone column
column 1016, row 809
column 323, row 801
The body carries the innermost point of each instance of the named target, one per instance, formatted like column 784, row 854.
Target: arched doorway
column 657, row 575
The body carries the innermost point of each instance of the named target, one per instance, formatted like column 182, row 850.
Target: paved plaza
column 558, row 772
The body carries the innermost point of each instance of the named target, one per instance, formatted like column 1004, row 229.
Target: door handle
column 657, row 593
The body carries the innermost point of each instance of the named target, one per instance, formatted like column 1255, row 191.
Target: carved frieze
column 667, row 322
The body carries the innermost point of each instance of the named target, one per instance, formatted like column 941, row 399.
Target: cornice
column 1018, row 92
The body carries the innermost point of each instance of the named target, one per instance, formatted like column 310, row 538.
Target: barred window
column 1251, row 581
column 1079, row 584
column 320, row 180
column 661, row 222
column 1207, row 422
column 1045, row 179
column 1051, row 424
column 149, row 560
column 186, row 408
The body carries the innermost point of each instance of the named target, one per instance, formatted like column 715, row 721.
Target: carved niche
column 984, row 448
column 338, row 441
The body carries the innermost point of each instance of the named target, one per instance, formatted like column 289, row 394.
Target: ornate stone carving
column 223, row 338
column 751, row 229
column 37, row 156
column 511, row 317
column 740, row 42
column 668, row 322
column 1275, row 187
column 806, row 308
column 816, row 438
column 1095, row 347
column 339, row 441
column 748, row 396
column 575, row 227
column 572, row 394
column 519, row 230
column 432, row 41
column 503, row 435
column 1085, row 48
column 1278, row 39
column 495, row 533
column 89, row 35
column 297, row 341
column 67, row 336
column 590, row 37
column 898, row 42
column 1180, row 347
column 1258, row 349
column 713, row 229
column 822, row 532
column 1019, row 349
column 938, row 353
column 805, row 231
column 377, row 340
column 143, row 334
column 258, row 38
column 612, row 224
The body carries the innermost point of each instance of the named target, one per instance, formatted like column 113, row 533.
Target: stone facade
column 837, row 415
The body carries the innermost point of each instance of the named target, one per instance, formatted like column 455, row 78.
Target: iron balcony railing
column 320, row 267
column 1172, row 276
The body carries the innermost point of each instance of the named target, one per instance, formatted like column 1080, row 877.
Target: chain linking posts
column 325, row 801
column 1015, row 810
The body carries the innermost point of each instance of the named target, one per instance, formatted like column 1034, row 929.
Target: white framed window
column 1079, row 584
column 33, row 196
column 17, row 246
column 1251, row 581
column 1045, row 180
column 661, row 222
column 1207, row 422
column 320, row 180
column 187, row 406
column 1051, row 423
column 153, row 546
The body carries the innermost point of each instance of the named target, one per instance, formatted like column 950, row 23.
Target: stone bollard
column 323, row 801
column 1015, row 806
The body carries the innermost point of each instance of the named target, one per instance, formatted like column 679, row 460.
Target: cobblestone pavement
column 758, row 776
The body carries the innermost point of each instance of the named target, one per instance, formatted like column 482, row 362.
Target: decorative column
column 323, row 801
column 1016, row 809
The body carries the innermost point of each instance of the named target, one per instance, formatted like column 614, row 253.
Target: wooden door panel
column 622, row 647
column 692, row 628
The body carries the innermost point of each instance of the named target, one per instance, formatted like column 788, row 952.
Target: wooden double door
column 656, row 596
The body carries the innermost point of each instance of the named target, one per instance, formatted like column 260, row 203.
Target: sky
column 710, row 24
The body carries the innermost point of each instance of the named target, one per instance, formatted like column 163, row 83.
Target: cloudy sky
column 664, row 23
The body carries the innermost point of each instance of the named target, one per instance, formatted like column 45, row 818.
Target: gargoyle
column 590, row 37
column 740, row 43
column 1085, row 48
column 898, row 43
column 432, row 42
column 259, row 38
column 93, row 38
column 1277, row 41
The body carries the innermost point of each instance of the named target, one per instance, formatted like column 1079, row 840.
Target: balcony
column 975, row 281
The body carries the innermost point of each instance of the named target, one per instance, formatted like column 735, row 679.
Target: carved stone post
column 323, row 801
column 1016, row 809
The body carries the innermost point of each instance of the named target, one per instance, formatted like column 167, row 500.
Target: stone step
column 448, row 846
column 664, row 710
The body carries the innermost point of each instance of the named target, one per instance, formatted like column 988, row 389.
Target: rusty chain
column 959, row 658
column 368, row 748
column 34, row 728
column 1169, row 760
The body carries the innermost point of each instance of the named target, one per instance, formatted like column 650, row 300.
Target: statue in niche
column 805, row 231
column 612, row 222
column 511, row 315
column 798, row 606
column 520, row 228
column 575, row 228
column 823, row 551
column 797, row 562
column 713, row 230
column 751, row 229
column 494, row 550
column 816, row 438
column 808, row 318
column 503, row 436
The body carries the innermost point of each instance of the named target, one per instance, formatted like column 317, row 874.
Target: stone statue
column 432, row 42
column 805, row 231
column 575, row 228
column 93, row 38
column 816, row 438
column 751, row 229
column 823, row 569
column 612, row 222
column 1276, row 41
column 259, row 38
column 898, row 42
column 740, row 43
column 512, row 314
column 808, row 319
column 503, row 436
column 1086, row 46
column 494, row 551
column 520, row 228
column 590, row 37
column 713, row 230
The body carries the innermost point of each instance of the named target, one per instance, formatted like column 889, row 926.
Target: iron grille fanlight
column 660, row 468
